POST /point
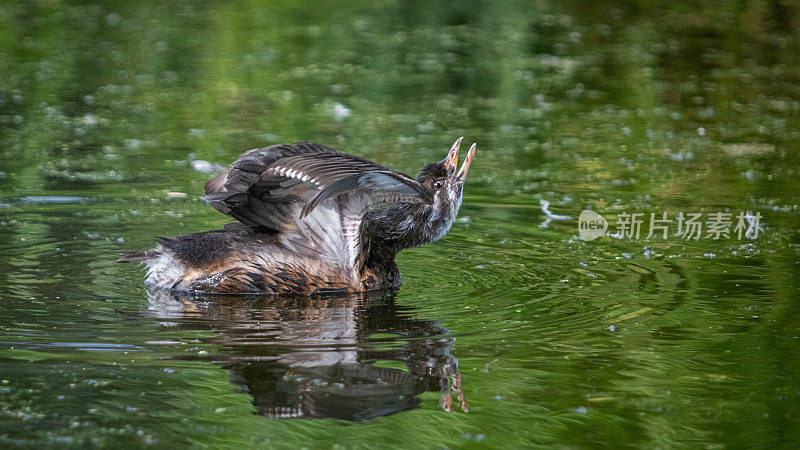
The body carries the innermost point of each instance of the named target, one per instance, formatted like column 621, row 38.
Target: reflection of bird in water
column 309, row 221
column 346, row 356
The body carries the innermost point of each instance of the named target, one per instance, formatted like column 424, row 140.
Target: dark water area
column 114, row 115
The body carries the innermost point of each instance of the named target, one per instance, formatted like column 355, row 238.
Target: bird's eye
column 438, row 184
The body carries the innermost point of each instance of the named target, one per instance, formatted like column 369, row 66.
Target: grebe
column 310, row 220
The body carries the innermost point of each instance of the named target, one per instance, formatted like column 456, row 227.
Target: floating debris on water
column 206, row 167
column 133, row 144
column 739, row 150
column 340, row 112
column 678, row 157
column 268, row 137
column 545, row 206
column 54, row 199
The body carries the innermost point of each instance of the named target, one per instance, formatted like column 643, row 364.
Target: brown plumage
column 309, row 220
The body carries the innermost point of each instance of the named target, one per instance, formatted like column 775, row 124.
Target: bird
column 309, row 220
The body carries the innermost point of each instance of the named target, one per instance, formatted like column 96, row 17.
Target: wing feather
column 312, row 196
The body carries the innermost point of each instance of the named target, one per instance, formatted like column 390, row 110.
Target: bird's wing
column 312, row 196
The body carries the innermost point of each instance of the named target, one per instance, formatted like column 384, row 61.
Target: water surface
column 112, row 116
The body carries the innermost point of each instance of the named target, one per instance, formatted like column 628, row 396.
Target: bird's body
column 310, row 220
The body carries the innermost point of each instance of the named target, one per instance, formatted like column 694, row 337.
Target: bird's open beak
column 462, row 173
column 451, row 161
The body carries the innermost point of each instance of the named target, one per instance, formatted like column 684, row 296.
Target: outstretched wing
column 312, row 196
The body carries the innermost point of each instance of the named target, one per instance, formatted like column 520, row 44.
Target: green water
column 618, row 107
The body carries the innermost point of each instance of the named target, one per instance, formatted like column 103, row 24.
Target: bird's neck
column 398, row 227
column 388, row 231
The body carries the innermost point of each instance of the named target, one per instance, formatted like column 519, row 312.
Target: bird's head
column 446, row 182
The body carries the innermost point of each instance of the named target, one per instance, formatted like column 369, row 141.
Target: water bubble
column 267, row 137
column 112, row 19
column 341, row 112
column 205, row 166
column 133, row 143
column 89, row 120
